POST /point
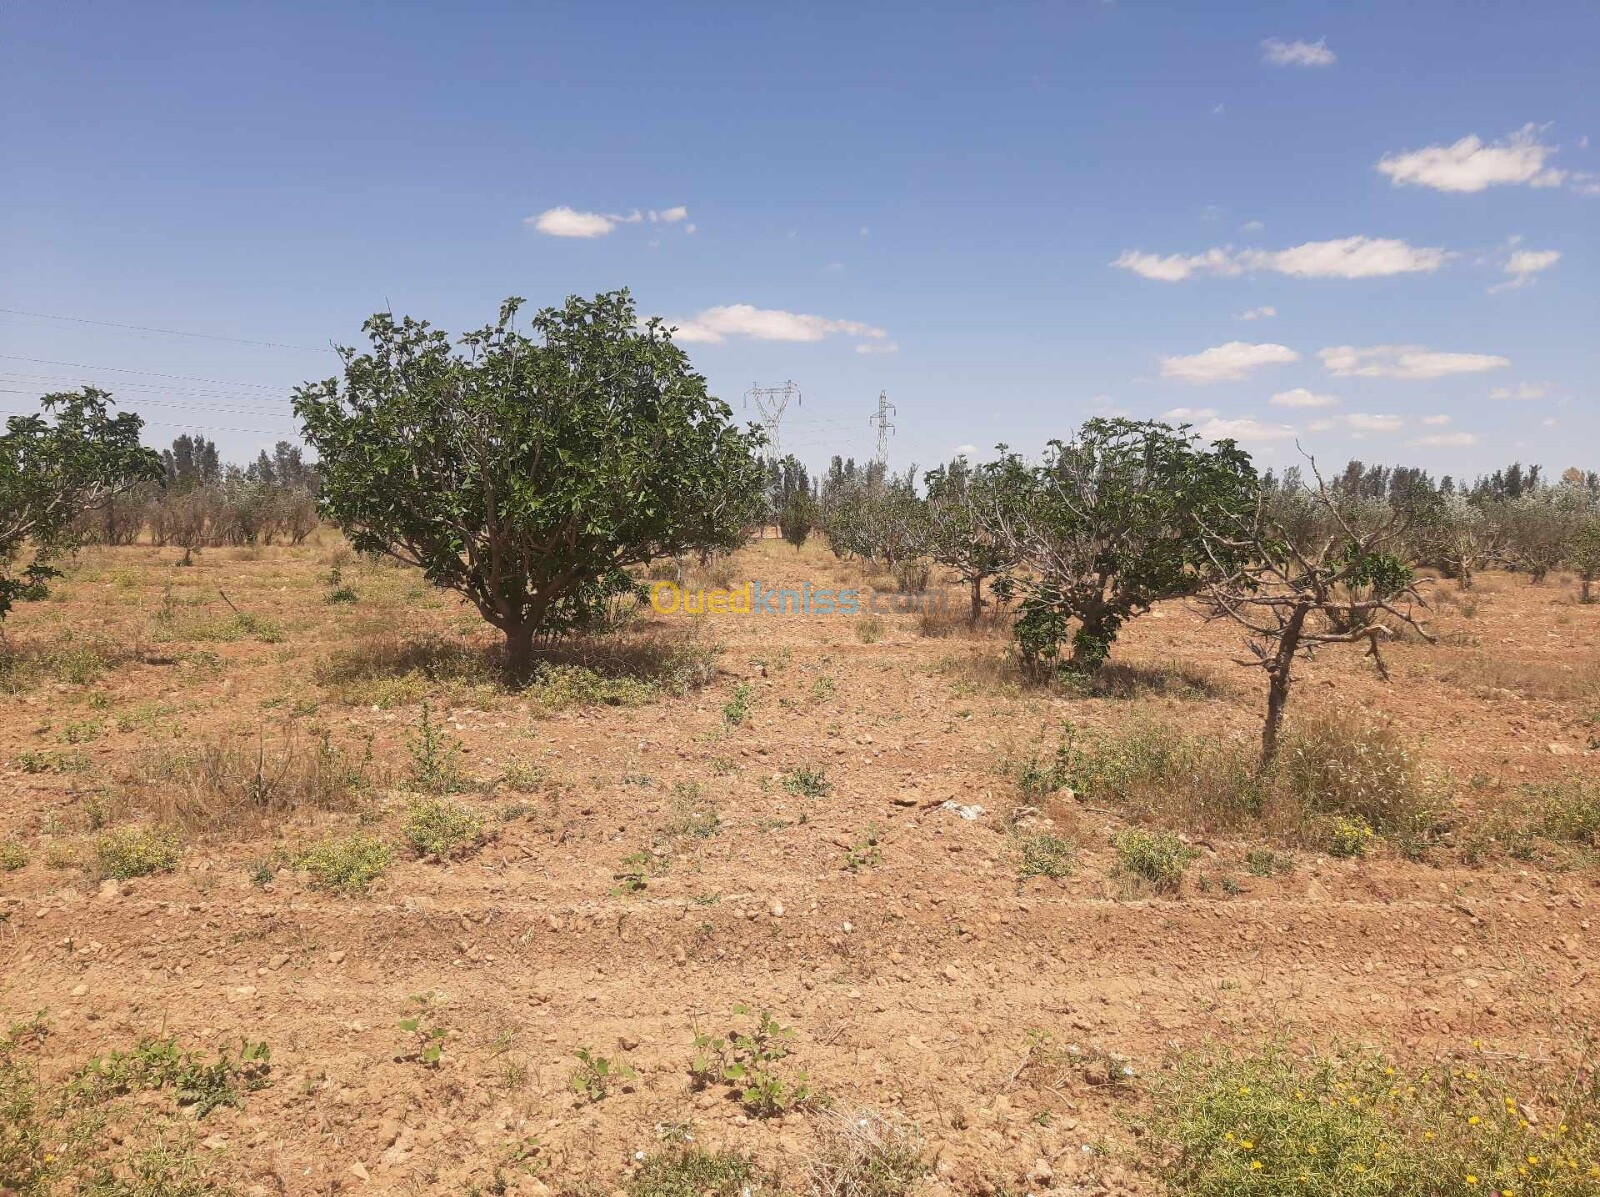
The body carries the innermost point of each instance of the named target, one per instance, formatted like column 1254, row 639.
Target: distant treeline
column 204, row 503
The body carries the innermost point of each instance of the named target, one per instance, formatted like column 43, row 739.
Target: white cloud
column 963, row 450
column 1176, row 267
column 1436, row 421
column 1306, row 54
column 1223, row 363
column 1448, row 439
column 1471, row 164
column 1343, row 257
column 1320, row 425
column 1245, row 429
column 1531, row 261
column 1349, row 257
column 1523, row 264
column 1300, row 397
column 565, row 222
column 1411, row 362
column 1362, row 422
column 1253, row 226
column 1523, row 390
column 878, row 347
column 1265, row 311
column 1189, row 413
column 569, row 222
column 715, row 325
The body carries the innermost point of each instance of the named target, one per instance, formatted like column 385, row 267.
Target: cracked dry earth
column 913, row 984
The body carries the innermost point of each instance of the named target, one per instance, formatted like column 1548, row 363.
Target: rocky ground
column 916, row 982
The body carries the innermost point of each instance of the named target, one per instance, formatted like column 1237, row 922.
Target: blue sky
column 1010, row 217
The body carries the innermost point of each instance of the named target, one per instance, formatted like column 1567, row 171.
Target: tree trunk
column 519, row 650
column 1279, row 674
column 977, row 601
column 1277, row 700
column 1092, row 643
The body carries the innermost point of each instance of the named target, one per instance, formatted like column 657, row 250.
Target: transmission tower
column 880, row 418
column 770, row 402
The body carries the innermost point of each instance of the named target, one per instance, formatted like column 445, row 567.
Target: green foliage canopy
column 1109, row 523
column 528, row 472
column 53, row 472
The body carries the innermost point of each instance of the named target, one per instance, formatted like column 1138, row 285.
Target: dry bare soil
column 652, row 865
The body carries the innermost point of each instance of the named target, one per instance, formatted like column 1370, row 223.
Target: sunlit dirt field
column 777, row 839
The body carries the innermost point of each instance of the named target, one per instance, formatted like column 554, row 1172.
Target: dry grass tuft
column 221, row 785
column 1559, row 682
column 1338, row 779
column 864, row 1153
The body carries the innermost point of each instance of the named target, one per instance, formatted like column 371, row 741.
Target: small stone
column 336, row 957
column 358, row 1170
column 278, row 961
column 777, row 909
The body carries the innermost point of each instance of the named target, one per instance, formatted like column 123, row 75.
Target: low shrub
column 1356, row 1124
column 807, row 781
column 1556, row 824
column 345, row 864
column 128, row 852
column 443, row 829
column 1158, row 857
column 1045, row 856
column 683, row 1170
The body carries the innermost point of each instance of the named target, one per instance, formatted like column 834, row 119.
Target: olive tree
column 1586, row 555
column 1297, row 571
column 54, row 471
column 1462, row 538
column 528, row 472
column 1109, row 523
column 1537, row 529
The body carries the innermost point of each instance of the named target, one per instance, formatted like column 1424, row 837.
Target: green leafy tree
column 1586, row 555
column 525, row 472
column 1109, row 523
column 51, row 473
column 790, row 501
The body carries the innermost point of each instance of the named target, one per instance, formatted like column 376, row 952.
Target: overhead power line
column 139, row 388
column 167, row 332
column 222, row 382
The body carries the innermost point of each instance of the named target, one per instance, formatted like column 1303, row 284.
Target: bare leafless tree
column 1295, row 584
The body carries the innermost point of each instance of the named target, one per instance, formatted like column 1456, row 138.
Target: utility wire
column 154, row 388
column 45, row 361
column 167, row 332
